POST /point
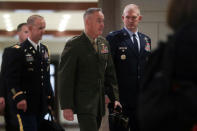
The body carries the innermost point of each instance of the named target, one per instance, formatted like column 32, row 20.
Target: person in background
column 86, row 70
column 25, row 71
column 130, row 51
column 176, row 104
column 22, row 33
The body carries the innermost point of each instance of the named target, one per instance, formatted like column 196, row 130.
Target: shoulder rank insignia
column 16, row 46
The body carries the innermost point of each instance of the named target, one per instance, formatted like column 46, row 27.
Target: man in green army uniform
column 86, row 73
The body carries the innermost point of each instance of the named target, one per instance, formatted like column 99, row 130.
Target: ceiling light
column 9, row 29
column 6, row 16
column 63, row 23
column 8, row 23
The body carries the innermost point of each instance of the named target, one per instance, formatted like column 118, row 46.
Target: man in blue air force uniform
column 130, row 50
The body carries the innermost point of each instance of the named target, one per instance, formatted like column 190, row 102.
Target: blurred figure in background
column 173, row 107
column 22, row 33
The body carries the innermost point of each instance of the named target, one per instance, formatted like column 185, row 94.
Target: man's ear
column 122, row 18
column 30, row 27
column 140, row 18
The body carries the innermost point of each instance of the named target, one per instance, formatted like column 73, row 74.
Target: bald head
column 131, row 7
column 31, row 19
column 131, row 17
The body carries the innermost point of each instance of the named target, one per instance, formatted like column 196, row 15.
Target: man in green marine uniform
column 86, row 73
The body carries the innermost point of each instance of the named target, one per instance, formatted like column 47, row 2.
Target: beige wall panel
column 150, row 29
column 153, row 16
column 164, row 31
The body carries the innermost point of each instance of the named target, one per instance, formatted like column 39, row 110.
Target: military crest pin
column 123, row 57
column 122, row 48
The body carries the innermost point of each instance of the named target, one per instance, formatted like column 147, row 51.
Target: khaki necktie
column 95, row 46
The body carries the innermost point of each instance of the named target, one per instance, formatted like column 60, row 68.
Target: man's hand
column 22, row 105
column 2, row 103
column 68, row 114
column 116, row 104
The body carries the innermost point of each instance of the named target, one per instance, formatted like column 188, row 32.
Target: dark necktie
column 38, row 49
column 135, row 43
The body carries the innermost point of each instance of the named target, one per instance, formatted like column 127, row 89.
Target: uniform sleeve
column 111, row 80
column 49, row 90
column 12, row 70
column 112, row 44
column 2, row 88
column 66, row 76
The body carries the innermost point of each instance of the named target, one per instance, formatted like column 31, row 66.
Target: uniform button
column 138, row 77
column 42, row 77
column 42, row 84
column 41, row 63
column 41, row 69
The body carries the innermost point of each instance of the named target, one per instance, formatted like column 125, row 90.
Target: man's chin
column 100, row 33
column 131, row 28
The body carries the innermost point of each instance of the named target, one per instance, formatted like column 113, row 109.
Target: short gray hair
column 31, row 19
column 90, row 11
column 133, row 7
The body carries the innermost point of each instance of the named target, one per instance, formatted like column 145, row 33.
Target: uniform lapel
column 142, row 43
column 87, row 42
column 30, row 49
column 129, row 42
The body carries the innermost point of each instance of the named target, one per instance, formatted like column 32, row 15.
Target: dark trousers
column 23, row 123
column 30, row 122
column 89, row 122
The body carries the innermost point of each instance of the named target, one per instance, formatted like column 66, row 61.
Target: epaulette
column 101, row 38
column 16, row 46
column 115, row 32
column 47, row 49
column 72, row 39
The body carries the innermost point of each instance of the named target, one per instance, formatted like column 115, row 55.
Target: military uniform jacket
column 2, row 89
column 84, row 74
column 129, row 63
column 26, row 75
